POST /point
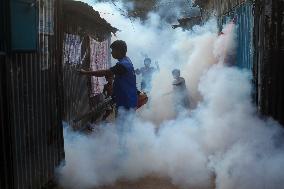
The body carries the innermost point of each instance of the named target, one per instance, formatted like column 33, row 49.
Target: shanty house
column 86, row 42
column 42, row 43
column 260, row 39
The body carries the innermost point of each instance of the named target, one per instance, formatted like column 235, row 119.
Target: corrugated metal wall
column 31, row 89
column 244, row 24
column 3, row 26
column 269, row 42
column 261, row 37
column 241, row 12
column 243, row 18
column 5, row 132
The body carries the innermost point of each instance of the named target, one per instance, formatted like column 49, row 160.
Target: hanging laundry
column 72, row 49
column 99, row 60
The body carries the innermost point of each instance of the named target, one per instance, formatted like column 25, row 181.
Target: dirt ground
column 150, row 182
column 145, row 183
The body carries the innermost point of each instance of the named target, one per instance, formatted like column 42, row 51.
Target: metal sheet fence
column 245, row 36
column 31, row 90
column 3, row 26
column 260, row 48
column 243, row 18
column 269, row 44
column 5, row 131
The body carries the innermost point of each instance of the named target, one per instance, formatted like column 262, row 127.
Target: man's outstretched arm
column 97, row 73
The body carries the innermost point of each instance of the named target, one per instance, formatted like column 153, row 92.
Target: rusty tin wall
column 269, row 42
column 3, row 26
column 31, row 128
column 5, row 132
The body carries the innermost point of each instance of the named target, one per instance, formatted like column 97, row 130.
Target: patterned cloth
column 72, row 49
column 99, row 60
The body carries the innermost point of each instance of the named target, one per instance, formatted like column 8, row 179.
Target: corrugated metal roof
column 201, row 3
column 220, row 6
column 83, row 15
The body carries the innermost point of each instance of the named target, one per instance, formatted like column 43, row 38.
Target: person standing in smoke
column 180, row 94
column 124, row 84
column 147, row 73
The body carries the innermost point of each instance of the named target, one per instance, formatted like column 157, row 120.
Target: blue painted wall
column 23, row 25
column 244, row 31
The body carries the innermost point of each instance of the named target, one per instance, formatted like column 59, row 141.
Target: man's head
column 176, row 73
column 119, row 49
column 147, row 62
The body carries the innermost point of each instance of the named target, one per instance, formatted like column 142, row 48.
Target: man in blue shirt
column 124, row 85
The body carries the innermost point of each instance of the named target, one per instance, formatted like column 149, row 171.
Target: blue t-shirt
column 124, row 85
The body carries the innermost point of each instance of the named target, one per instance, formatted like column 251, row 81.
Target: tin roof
column 84, row 16
column 201, row 3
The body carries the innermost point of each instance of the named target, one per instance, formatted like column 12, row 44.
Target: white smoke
column 222, row 138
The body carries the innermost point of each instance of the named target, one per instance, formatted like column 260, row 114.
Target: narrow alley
column 156, row 94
